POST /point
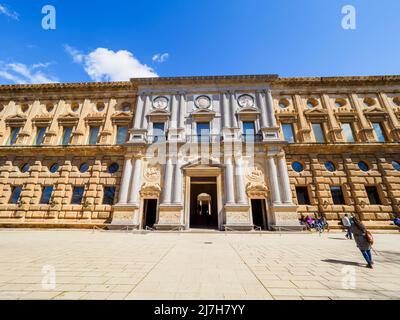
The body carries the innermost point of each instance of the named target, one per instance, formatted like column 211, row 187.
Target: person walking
column 347, row 225
column 361, row 237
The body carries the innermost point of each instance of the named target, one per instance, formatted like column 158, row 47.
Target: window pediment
column 376, row 113
column 16, row 120
column 346, row 117
column 203, row 114
column 316, row 114
column 159, row 115
column 121, row 117
column 68, row 119
column 95, row 119
column 43, row 120
column 287, row 117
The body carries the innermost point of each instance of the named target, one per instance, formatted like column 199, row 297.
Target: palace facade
column 223, row 152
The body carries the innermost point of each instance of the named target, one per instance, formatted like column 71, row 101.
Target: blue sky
column 204, row 37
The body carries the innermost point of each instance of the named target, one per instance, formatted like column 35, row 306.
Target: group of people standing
column 354, row 229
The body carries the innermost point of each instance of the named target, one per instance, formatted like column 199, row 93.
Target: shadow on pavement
column 347, row 263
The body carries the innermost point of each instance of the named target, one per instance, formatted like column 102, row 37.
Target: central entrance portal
column 203, row 203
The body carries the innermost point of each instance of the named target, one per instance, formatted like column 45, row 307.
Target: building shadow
column 347, row 263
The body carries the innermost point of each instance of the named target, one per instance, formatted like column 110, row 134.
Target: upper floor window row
column 67, row 135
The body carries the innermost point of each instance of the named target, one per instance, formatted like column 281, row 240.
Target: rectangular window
column 13, row 135
column 109, row 195
column 77, row 195
column 373, row 195
column 318, row 133
column 302, row 195
column 66, row 138
column 379, row 133
column 288, row 132
column 203, row 131
column 15, row 195
column 337, row 195
column 46, row 195
column 159, row 131
column 93, row 134
column 249, row 131
column 348, row 132
column 122, row 134
column 41, row 131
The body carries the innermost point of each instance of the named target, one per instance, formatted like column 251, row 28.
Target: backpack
column 369, row 237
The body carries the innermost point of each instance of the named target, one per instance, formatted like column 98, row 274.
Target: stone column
column 240, row 187
column 168, row 182
column 135, row 183
column 270, row 109
column 273, row 180
column 229, row 190
column 182, row 110
column 263, row 108
column 138, row 112
column 125, row 182
column 146, row 109
column 286, row 196
column 393, row 118
column 225, row 110
column 232, row 109
column 177, row 198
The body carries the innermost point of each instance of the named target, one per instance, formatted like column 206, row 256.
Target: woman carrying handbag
column 364, row 240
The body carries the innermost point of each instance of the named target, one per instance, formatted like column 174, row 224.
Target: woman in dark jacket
column 360, row 236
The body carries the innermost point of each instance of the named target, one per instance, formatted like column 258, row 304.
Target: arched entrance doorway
column 203, row 196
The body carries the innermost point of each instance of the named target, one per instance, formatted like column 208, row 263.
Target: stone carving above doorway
column 152, row 173
column 255, row 174
column 150, row 190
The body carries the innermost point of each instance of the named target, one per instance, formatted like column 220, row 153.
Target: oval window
column 297, row 166
column 396, row 165
column 54, row 168
column 330, row 166
column 363, row 166
column 25, row 168
column 84, row 167
column 112, row 168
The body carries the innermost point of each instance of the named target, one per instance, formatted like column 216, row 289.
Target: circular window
column 100, row 106
column 363, row 166
column 112, row 168
column 369, row 102
column 54, row 168
column 340, row 103
column 75, row 107
column 396, row 101
column 126, row 107
column 330, row 166
column 396, row 165
column 297, row 166
column 25, row 168
column 283, row 103
column 49, row 107
column 312, row 103
column 24, row 108
column 84, row 167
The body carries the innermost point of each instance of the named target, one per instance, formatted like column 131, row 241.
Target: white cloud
column 22, row 74
column 7, row 12
column 160, row 57
column 103, row 64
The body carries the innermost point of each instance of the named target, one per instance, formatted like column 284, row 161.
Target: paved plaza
column 72, row 264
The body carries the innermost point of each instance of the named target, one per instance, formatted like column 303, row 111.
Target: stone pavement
column 70, row 264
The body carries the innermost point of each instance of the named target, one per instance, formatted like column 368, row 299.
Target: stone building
column 224, row 152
